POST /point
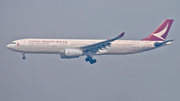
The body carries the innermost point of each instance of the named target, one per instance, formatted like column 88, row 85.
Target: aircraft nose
column 8, row 46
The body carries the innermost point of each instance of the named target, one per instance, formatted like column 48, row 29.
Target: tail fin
column 161, row 32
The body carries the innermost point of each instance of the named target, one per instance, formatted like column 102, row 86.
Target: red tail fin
column 161, row 32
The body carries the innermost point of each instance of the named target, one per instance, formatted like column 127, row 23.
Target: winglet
column 122, row 34
column 108, row 38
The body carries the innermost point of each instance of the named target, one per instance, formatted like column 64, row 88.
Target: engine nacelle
column 72, row 53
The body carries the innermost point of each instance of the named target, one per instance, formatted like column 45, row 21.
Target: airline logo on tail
column 161, row 32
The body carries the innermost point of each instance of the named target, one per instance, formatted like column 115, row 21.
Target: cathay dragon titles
column 73, row 48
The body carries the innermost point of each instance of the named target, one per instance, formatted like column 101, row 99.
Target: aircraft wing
column 100, row 45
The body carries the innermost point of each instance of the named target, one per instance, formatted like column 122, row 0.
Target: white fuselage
column 57, row 46
column 73, row 48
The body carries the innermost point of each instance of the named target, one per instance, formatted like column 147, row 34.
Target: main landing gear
column 90, row 59
column 24, row 57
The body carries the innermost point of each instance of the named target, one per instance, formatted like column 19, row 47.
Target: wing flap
column 100, row 45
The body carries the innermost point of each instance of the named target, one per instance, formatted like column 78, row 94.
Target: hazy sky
column 149, row 76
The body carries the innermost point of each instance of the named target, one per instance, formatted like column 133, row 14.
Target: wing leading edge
column 100, row 45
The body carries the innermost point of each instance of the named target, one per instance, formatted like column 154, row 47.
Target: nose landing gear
column 90, row 59
column 24, row 57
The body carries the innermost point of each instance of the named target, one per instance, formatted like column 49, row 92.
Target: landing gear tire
column 87, row 59
column 23, row 57
column 90, row 59
column 93, row 61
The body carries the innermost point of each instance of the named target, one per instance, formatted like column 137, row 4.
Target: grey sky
column 148, row 76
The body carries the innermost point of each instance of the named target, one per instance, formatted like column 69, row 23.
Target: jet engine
column 72, row 53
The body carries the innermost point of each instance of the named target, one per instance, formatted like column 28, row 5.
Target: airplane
column 74, row 48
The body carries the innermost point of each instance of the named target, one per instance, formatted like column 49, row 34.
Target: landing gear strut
column 90, row 59
column 24, row 57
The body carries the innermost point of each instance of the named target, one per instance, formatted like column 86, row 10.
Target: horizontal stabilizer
column 157, row 44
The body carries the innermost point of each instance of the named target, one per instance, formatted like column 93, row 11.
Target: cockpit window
column 13, row 43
